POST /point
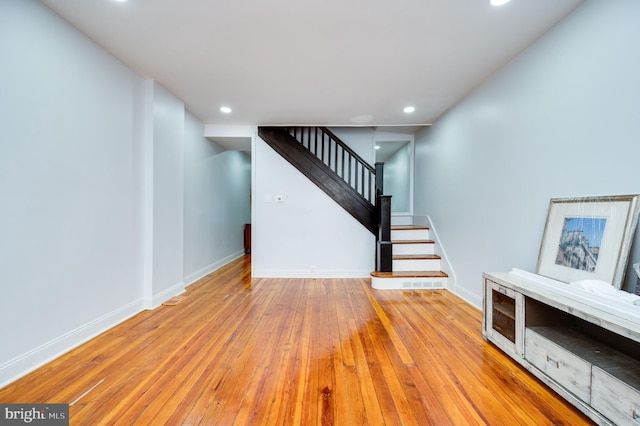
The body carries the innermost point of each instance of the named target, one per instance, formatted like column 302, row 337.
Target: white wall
column 559, row 121
column 217, row 194
column 397, row 179
column 307, row 234
column 70, row 187
column 359, row 139
column 96, row 218
column 168, row 195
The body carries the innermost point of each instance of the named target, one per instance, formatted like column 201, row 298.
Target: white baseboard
column 408, row 283
column 440, row 250
column 37, row 357
column 164, row 295
column 203, row 272
column 305, row 273
column 467, row 296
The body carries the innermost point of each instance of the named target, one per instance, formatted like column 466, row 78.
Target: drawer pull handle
column 553, row 361
column 502, row 290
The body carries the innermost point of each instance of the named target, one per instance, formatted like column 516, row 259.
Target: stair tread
column 410, row 274
column 412, row 242
column 415, row 256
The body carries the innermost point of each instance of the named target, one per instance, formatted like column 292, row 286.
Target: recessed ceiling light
column 225, row 109
column 409, row 109
column 499, row 2
column 377, row 146
column 120, row 1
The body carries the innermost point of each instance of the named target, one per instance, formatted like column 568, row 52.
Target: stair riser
column 415, row 258
column 408, row 283
column 402, row 249
column 416, row 265
column 409, row 234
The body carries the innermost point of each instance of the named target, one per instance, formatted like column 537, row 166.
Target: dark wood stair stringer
column 321, row 175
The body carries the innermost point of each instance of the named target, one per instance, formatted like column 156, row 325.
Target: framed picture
column 588, row 238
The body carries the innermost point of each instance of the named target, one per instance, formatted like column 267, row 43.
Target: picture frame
column 588, row 238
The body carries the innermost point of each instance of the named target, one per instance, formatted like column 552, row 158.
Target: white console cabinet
column 585, row 347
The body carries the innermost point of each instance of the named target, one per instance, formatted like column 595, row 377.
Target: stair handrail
column 348, row 149
column 363, row 182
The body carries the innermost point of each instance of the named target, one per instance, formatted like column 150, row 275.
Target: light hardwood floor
column 295, row 352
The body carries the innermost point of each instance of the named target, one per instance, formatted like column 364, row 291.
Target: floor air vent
column 422, row 284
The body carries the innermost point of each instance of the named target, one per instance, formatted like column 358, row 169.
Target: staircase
column 414, row 262
column 330, row 164
column 357, row 186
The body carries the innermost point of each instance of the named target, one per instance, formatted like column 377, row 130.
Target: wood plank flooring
column 295, row 352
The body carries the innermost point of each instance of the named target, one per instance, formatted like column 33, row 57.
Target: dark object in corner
column 247, row 238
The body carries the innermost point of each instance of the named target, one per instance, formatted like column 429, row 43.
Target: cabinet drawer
column 614, row 398
column 565, row 368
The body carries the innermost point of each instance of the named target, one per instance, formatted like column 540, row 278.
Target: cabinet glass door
column 504, row 321
column 503, row 314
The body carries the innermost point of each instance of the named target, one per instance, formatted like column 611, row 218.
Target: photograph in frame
column 588, row 238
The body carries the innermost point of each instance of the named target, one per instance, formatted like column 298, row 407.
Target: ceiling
column 315, row 62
